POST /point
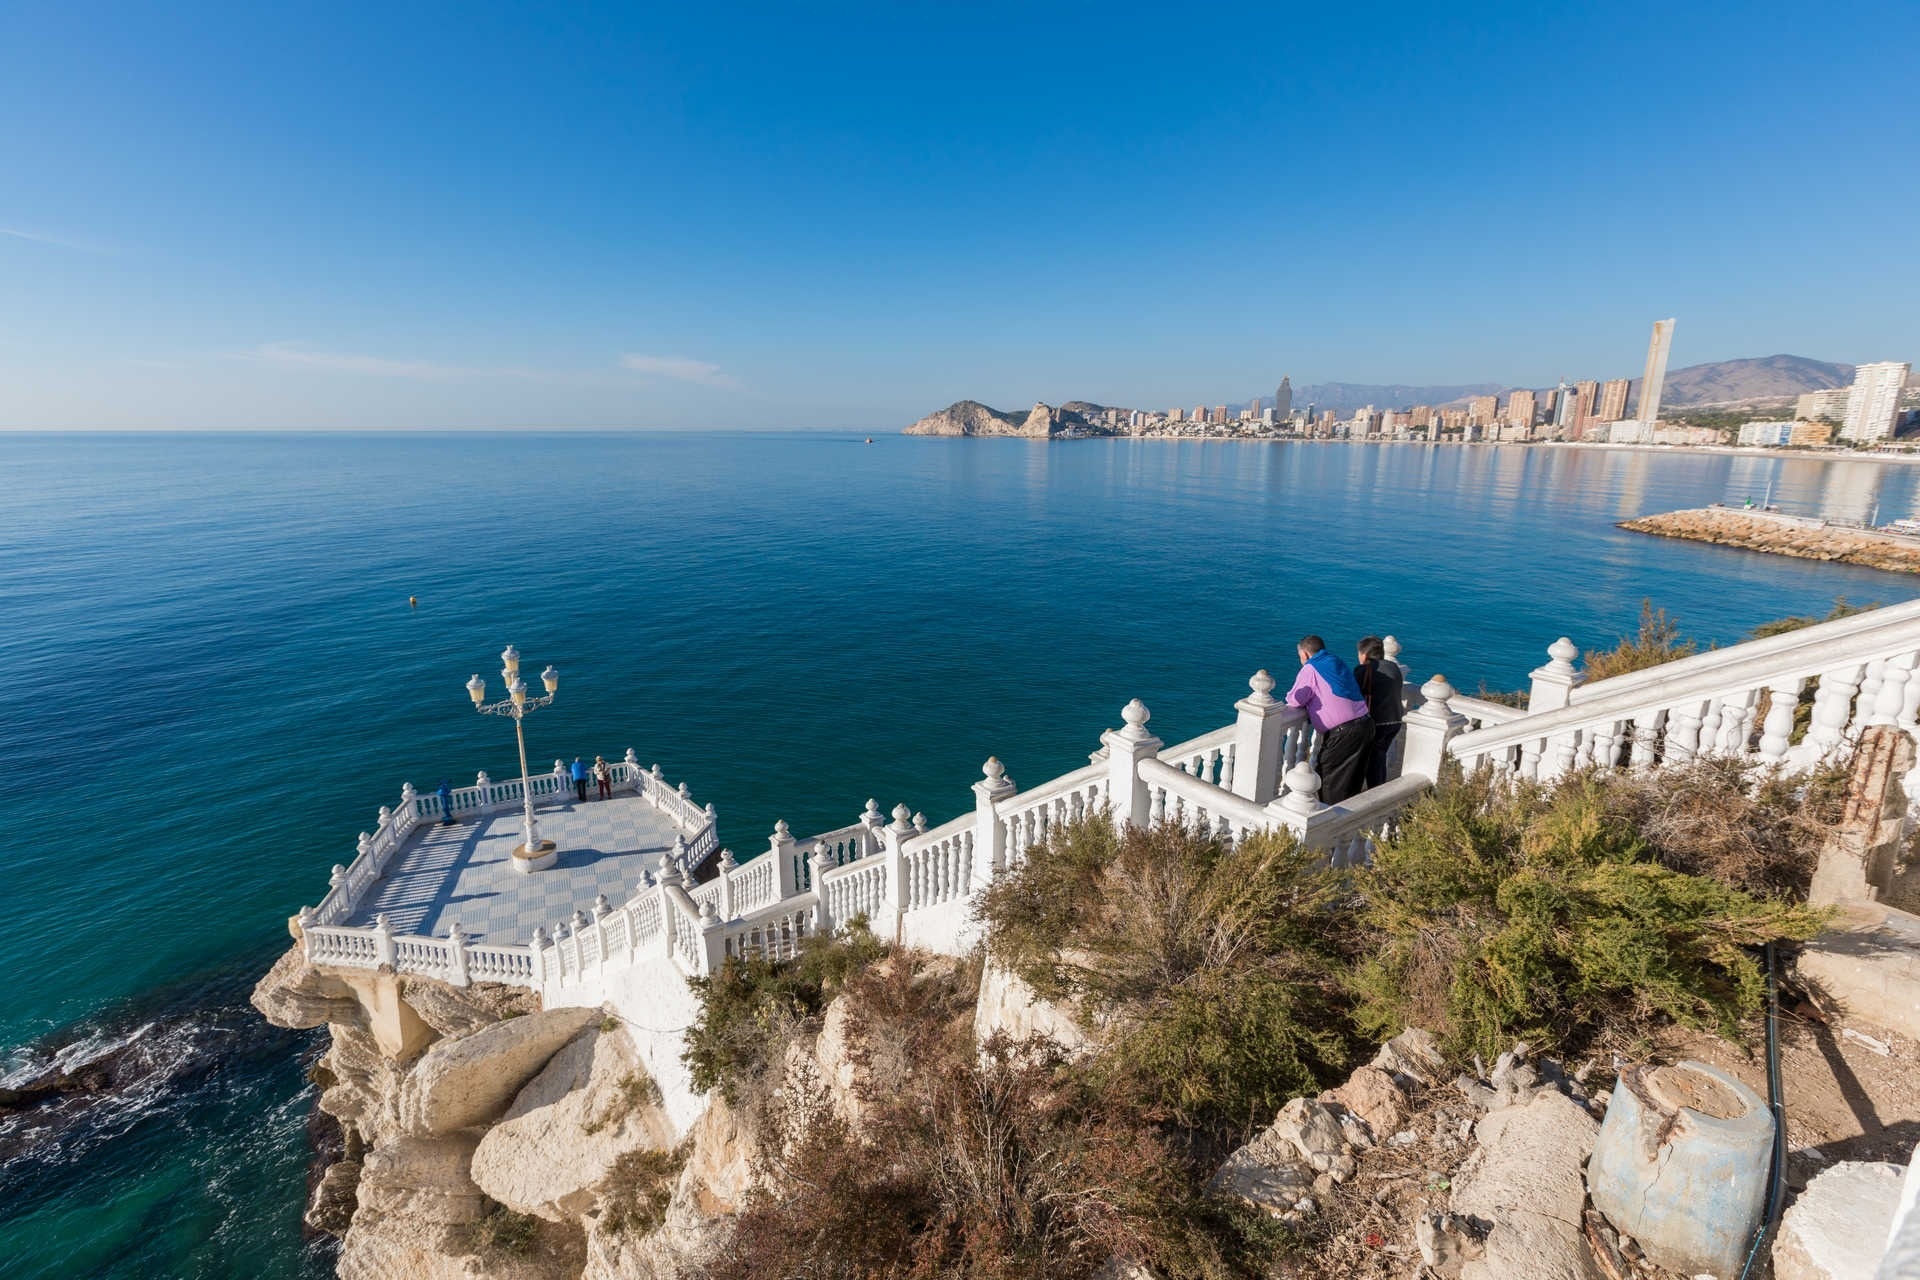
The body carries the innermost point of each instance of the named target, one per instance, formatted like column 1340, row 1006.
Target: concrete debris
column 1525, row 1180
column 1413, row 1058
column 1447, row 1242
column 1837, row 1228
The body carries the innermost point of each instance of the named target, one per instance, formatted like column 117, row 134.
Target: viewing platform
column 462, row 872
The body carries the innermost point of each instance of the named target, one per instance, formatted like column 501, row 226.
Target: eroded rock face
column 470, row 1081
column 401, row 1248
column 426, row 1179
column 592, row 1103
column 459, row 1011
column 1526, row 1178
column 295, row 994
column 1372, row 1096
column 1276, row 1170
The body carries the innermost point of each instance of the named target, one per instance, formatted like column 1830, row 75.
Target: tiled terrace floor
column 463, row 872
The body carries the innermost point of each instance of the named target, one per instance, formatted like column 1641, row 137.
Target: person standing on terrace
column 1380, row 683
column 1326, row 690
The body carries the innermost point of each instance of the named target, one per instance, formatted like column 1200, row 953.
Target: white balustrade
column 938, row 866
column 1028, row 816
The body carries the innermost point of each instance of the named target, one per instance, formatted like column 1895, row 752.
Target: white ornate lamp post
column 534, row 854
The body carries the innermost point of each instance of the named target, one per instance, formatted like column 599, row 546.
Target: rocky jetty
column 1042, row 422
column 1784, row 536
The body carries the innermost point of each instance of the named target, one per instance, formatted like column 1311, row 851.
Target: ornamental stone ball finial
column 579, row 920
column 781, row 830
column 339, row 874
column 902, row 817
column 1303, row 788
column 993, row 769
column 540, row 937
column 1261, row 683
column 655, row 771
column 1437, row 690
column 727, row 861
column 1563, row 651
column 919, row 821
column 600, row 904
column 455, row 932
column 684, row 790
column 1136, row 715
column 709, row 914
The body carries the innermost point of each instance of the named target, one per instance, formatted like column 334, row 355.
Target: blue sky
column 318, row 216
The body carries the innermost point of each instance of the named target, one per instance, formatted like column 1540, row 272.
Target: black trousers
column 580, row 789
column 1343, row 760
column 1383, row 739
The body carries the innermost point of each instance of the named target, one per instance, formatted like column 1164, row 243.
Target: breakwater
column 1785, row 536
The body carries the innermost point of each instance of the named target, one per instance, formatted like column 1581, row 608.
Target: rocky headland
column 1042, row 422
column 1784, row 536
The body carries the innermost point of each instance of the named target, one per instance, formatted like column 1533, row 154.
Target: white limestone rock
column 427, row 1180
column 295, row 994
column 402, row 1249
column 1526, row 1179
column 1413, row 1058
column 1836, row 1229
column 1276, row 1170
column 1011, row 1008
column 469, row 1081
column 590, row 1104
column 1372, row 1095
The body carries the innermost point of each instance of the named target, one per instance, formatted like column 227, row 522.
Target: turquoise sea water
column 214, row 679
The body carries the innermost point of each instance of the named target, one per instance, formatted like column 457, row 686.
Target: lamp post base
column 538, row 858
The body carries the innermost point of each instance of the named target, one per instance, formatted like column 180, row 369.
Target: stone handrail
column 1348, row 831
column 1209, row 756
column 1483, row 712
column 452, row 959
column 1708, row 704
column 1029, row 815
column 1187, row 800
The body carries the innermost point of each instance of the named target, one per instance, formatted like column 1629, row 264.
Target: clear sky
column 470, row 215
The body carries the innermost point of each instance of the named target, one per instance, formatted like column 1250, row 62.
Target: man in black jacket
column 1381, row 682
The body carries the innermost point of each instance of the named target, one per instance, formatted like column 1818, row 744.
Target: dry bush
column 637, row 1190
column 1735, row 821
column 1657, row 641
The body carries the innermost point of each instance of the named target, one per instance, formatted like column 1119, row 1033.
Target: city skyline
column 230, row 217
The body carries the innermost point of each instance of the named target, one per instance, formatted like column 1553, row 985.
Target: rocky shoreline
column 1785, row 536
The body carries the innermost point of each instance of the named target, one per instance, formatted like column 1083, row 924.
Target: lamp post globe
column 533, row 853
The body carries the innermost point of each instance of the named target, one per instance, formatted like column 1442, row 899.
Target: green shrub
column 748, row 1008
column 1211, row 967
column 1658, row 640
column 502, row 1233
column 1541, row 914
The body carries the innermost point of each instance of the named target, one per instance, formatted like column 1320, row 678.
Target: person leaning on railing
column 1380, row 684
column 1326, row 690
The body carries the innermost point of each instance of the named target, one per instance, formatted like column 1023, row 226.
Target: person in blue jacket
column 580, row 779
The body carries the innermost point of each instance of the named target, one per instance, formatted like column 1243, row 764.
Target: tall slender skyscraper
column 1873, row 403
column 1283, row 399
column 1656, row 374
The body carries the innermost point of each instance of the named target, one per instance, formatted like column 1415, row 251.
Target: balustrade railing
column 938, row 866
column 1028, row 816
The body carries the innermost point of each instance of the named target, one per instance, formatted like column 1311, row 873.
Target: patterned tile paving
column 463, row 871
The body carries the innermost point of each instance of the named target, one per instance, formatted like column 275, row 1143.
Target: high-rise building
column 1830, row 405
column 1482, row 410
column 1873, row 402
column 1520, row 409
column 1176, row 415
column 1253, row 410
column 1199, row 413
column 1283, row 398
column 1219, row 414
column 1613, row 400
column 1585, row 393
column 1656, row 375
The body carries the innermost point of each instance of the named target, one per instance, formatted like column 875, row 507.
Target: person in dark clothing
column 1327, row 692
column 446, row 803
column 580, row 779
column 1382, row 684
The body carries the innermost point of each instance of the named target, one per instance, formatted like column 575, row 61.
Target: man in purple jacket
column 1331, row 697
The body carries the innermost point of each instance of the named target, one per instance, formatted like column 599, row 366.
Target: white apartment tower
column 1656, row 374
column 1873, row 405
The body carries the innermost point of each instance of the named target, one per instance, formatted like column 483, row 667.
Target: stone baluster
column 485, row 785
column 1910, row 696
column 1871, row 680
column 1832, row 711
column 632, row 762
column 1684, row 723
column 409, row 808
column 1891, row 699
column 780, row 848
column 457, row 956
column 383, row 953
column 1647, row 727
column 537, row 945
column 871, row 820
column 1776, row 732
column 1259, row 733
column 1157, row 806
column 1126, row 748
column 337, row 877
column 990, row 837
column 1531, row 752
column 1604, row 743
column 713, row 939
column 1553, row 684
column 1429, row 728
column 1229, row 766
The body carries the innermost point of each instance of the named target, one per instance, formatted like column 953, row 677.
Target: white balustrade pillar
column 872, row 819
column 727, row 865
column 457, row 956
column 409, row 808
column 780, row 848
column 895, row 836
column 1295, row 809
column 634, row 771
column 989, row 833
column 713, row 939
column 485, row 784
column 1126, row 748
column 1429, row 728
column 1259, row 730
column 823, row 921
column 1390, row 646
column 383, row 955
column 1892, row 697
column 1553, row 684
column 538, row 946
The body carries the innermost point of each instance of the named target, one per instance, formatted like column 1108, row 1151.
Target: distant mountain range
column 1756, row 380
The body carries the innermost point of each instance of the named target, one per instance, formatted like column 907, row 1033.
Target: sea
column 222, row 653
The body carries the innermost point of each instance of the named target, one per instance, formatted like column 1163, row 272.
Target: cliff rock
column 471, row 1080
column 966, row 418
column 295, row 994
column 1012, row 1009
column 591, row 1104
